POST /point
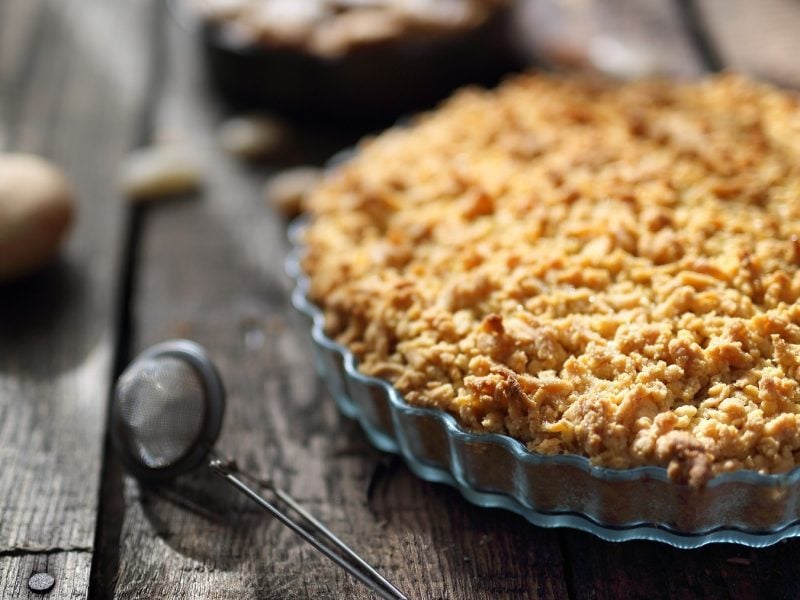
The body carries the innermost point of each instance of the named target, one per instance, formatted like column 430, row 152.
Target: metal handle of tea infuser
column 366, row 575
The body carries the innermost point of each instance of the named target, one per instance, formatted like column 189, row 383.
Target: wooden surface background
column 84, row 81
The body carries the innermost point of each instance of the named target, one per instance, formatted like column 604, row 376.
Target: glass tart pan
column 493, row 470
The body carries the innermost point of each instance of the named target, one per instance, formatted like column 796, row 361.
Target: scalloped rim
column 384, row 442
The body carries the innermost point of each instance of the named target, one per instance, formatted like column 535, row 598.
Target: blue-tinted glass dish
column 493, row 470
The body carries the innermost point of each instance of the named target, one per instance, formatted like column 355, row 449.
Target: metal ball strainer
column 166, row 416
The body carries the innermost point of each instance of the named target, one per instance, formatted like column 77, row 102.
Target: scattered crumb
column 288, row 190
column 160, row 171
column 252, row 136
column 616, row 58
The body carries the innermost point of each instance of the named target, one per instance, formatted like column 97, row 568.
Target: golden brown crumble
column 592, row 268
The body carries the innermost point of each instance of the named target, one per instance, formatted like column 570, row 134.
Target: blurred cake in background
column 365, row 59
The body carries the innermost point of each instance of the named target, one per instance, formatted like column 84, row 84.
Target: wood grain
column 60, row 97
column 648, row 570
column 73, row 86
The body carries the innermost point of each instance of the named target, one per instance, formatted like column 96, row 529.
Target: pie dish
column 367, row 61
column 673, row 415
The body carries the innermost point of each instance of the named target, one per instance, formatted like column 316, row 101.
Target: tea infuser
column 165, row 418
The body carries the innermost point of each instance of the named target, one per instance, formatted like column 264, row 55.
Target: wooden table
column 84, row 81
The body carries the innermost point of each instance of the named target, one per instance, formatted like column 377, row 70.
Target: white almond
column 288, row 190
column 158, row 172
column 619, row 59
column 252, row 136
column 37, row 208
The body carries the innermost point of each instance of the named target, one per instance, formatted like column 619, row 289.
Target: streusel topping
column 593, row 268
column 334, row 27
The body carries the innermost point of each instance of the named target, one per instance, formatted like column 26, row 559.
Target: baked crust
column 332, row 28
column 592, row 268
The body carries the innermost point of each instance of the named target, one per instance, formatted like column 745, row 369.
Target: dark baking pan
column 371, row 83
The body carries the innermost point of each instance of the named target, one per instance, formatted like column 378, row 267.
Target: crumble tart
column 600, row 269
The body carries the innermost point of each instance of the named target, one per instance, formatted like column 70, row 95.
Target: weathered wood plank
column 760, row 38
column 61, row 96
column 211, row 269
column 648, row 570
